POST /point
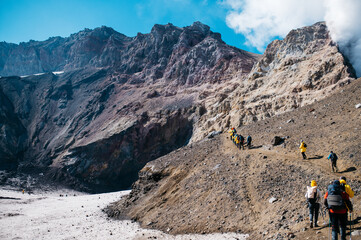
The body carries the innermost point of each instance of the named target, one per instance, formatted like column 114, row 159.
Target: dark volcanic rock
column 119, row 103
column 13, row 135
column 277, row 140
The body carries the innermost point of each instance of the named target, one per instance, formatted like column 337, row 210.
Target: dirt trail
column 320, row 167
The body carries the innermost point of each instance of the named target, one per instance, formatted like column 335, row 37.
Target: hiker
column 236, row 139
column 338, row 203
column 249, row 141
column 232, row 132
column 313, row 196
column 303, row 148
column 241, row 142
column 345, row 187
column 333, row 157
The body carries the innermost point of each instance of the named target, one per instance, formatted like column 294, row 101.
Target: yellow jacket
column 348, row 189
column 302, row 147
column 231, row 132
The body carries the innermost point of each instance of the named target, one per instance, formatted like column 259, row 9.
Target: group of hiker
column 238, row 139
column 336, row 201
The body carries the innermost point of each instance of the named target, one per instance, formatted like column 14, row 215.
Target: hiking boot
column 316, row 225
column 311, row 225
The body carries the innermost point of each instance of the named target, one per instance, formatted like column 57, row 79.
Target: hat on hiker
column 343, row 178
column 336, row 182
column 313, row 183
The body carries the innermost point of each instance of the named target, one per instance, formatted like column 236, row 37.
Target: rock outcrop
column 304, row 67
column 115, row 102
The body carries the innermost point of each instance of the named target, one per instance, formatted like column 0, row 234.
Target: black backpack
column 305, row 145
column 334, row 198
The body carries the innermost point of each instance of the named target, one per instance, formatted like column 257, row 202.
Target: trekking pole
column 350, row 225
column 323, row 217
column 329, row 225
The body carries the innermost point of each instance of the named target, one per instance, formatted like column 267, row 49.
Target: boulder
column 277, row 140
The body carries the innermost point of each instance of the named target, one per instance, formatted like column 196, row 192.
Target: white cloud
column 342, row 18
column 262, row 20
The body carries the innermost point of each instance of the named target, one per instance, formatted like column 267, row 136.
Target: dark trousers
column 314, row 208
column 338, row 221
column 304, row 155
column 334, row 167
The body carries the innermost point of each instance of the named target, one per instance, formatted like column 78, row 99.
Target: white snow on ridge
column 74, row 215
column 38, row 74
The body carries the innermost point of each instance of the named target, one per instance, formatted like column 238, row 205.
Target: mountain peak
column 200, row 27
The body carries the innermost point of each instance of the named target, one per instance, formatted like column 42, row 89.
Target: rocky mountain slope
column 119, row 102
column 304, row 67
column 212, row 186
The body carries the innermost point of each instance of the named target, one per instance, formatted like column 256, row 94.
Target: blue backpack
column 334, row 198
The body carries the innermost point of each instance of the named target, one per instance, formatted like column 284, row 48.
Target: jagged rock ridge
column 304, row 67
column 120, row 102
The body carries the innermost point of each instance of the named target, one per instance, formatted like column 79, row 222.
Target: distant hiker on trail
column 249, row 141
column 333, row 157
column 337, row 202
column 236, row 139
column 232, row 132
column 313, row 196
column 241, row 142
column 345, row 187
column 303, row 148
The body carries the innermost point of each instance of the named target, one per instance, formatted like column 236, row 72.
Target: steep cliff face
column 119, row 103
column 304, row 67
column 12, row 135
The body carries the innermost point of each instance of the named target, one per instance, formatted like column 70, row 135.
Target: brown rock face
column 304, row 67
column 120, row 102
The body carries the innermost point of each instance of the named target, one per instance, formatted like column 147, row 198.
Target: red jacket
column 346, row 200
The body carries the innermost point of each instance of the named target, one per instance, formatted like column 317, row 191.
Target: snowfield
column 68, row 214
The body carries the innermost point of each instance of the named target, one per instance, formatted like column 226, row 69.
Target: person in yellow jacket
column 236, row 140
column 232, row 132
column 303, row 148
column 347, row 187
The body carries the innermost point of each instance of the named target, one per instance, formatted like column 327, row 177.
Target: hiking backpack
column 305, row 145
column 334, row 157
column 334, row 198
column 311, row 195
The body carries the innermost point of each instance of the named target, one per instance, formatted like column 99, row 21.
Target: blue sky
column 22, row 20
